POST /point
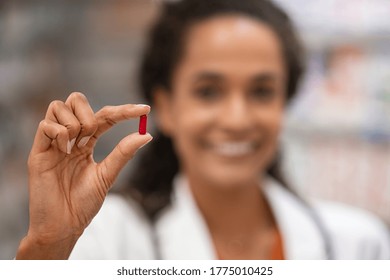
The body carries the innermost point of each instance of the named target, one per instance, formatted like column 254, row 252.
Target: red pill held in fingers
column 142, row 124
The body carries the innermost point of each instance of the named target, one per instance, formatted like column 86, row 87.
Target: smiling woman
column 234, row 62
column 218, row 76
column 224, row 129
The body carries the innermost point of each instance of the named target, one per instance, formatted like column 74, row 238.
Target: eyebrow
column 209, row 76
column 262, row 77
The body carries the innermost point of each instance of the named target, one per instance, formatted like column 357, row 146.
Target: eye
column 262, row 93
column 208, row 92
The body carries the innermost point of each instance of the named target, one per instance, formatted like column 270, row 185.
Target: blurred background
column 336, row 141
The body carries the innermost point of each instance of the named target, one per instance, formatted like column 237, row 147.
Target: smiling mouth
column 235, row 149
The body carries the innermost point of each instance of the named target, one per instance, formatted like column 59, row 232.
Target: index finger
column 108, row 116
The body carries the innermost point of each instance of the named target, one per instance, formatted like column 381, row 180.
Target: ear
column 163, row 110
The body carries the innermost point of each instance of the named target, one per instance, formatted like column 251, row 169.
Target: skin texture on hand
column 66, row 186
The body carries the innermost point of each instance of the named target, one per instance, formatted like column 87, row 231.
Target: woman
column 218, row 76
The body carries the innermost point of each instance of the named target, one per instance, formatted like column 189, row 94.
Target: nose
column 236, row 114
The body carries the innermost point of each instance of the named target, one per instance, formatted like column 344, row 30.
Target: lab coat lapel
column 181, row 229
column 302, row 238
column 183, row 234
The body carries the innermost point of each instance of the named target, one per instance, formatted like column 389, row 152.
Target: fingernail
column 83, row 141
column 70, row 145
column 142, row 105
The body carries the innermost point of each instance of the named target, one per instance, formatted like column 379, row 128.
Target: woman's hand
column 67, row 187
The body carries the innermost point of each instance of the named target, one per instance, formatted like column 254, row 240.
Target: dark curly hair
column 150, row 182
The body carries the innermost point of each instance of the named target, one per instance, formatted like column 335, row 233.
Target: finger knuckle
column 90, row 127
column 124, row 153
column 78, row 95
column 42, row 124
column 62, row 131
column 106, row 110
column 55, row 104
column 74, row 127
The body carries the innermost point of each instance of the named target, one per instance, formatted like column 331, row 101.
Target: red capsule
column 142, row 124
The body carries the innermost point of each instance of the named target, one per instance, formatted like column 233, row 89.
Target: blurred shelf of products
column 336, row 142
column 337, row 136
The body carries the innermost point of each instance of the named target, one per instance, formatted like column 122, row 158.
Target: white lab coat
column 121, row 231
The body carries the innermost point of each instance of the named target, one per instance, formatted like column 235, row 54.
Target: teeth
column 234, row 149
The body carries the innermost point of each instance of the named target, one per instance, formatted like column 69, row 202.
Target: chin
column 232, row 179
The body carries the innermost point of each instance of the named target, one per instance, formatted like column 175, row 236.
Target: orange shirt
column 277, row 252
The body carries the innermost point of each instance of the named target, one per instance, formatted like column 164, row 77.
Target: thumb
column 122, row 153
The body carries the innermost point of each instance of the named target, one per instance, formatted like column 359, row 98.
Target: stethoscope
column 317, row 220
column 312, row 213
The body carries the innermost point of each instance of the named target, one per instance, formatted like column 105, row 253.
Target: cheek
column 270, row 117
column 275, row 123
column 189, row 121
column 190, row 118
column 270, row 124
